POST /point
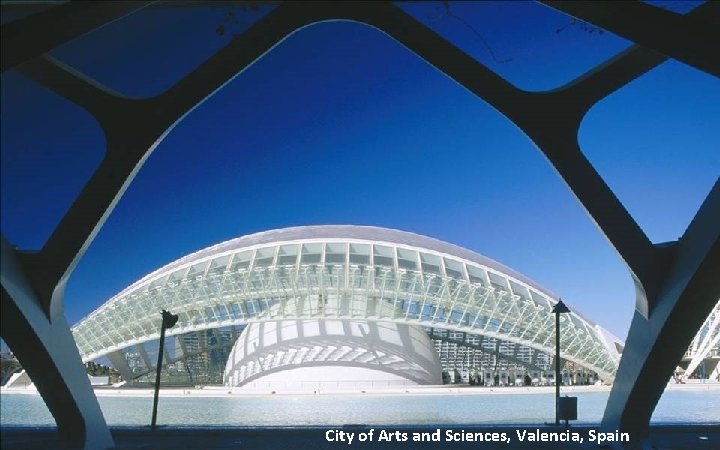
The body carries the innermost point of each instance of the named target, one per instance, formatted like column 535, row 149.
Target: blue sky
column 340, row 124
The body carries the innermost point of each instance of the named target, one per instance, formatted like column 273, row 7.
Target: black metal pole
column 557, row 368
column 157, row 374
column 559, row 308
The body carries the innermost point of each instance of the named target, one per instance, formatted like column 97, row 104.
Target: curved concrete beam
column 550, row 119
column 687, row 39
column 21, row 40
column 48, row 354
column 656, row 344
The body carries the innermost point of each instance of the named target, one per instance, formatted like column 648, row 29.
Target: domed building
column 342, row 308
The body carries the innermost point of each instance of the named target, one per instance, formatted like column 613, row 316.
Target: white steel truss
column 344, row 278
column 706, row 342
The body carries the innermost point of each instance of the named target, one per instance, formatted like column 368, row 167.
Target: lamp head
column 169, row 319
column 560, row 308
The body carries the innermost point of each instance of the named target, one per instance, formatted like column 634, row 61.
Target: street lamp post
column 559, row 308
column 168, row 321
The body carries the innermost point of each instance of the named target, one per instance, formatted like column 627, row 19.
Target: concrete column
column 117, row 359
column 47, row 351
column 656, row 343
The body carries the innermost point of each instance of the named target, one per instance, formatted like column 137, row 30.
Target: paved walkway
column 299, row 438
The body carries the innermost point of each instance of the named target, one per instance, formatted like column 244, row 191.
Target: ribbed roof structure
column 368, row 273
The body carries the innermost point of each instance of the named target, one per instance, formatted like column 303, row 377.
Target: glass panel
column 539, row 299
column 264, row 257
column 135, row 360
column 197, row 269
column 359, row 254
column 335, row 253
column 219, row 265
column 241, row 261
column 430, row 263
column 383, row 256
column 311, row 253
column 287, row 255
column 519, row 290
column 498, row 281
column 476, row 275
column 454, row 268
column 407, row 259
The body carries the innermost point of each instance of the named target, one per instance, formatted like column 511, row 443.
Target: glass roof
column 400, row 289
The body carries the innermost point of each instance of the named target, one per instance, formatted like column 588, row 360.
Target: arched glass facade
column 470, row 305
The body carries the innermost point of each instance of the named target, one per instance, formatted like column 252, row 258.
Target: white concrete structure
column 343, row 272
column 331, row 355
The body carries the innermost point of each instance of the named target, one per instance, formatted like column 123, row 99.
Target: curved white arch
column 345, row 272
